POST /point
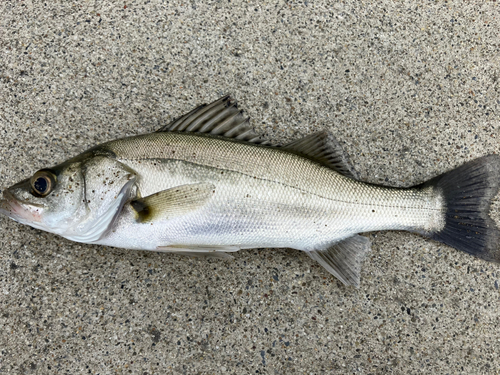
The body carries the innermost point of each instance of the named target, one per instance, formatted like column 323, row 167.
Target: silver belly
column 248, row 212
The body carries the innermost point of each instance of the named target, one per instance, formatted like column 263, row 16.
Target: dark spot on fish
column 373, row 210
column 142, row 209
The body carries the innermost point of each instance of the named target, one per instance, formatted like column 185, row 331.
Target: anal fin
column 344, row 259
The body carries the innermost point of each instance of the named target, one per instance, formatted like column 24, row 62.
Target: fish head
column 48, row 200
column 78, row 199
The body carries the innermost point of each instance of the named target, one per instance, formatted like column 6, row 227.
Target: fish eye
column 42, row 183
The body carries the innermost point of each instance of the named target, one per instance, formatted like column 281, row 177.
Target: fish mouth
column 10, row 207
column 6, row 207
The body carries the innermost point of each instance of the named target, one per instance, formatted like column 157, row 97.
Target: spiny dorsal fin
column 221, row 117
column 344, row 259
column 169, row 203
column 324, row 148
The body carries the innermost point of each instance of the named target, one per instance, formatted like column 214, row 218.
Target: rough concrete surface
column 411, row 89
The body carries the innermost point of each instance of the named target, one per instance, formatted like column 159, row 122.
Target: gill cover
column 108, row 185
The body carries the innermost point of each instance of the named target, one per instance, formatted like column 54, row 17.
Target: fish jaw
column 10, row 207
column 5, row 207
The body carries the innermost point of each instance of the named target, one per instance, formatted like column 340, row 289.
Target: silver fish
column 207, row 184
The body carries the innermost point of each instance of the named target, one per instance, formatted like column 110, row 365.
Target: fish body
column 256, row 196
column 206, row 184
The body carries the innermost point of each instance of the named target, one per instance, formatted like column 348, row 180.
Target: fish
column 207, row 184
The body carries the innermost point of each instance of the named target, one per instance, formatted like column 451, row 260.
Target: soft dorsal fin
column 167, row 204
column 344, row 259
column 221, row 117
column 324, row 148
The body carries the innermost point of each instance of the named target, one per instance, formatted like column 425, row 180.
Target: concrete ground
column 411, row 89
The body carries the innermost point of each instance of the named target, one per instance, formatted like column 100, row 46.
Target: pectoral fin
column 173, row 202
column 344, row 259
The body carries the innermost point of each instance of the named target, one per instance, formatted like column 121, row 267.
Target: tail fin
column 467, row 192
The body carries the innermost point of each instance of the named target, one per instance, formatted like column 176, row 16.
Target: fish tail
column 467, row 192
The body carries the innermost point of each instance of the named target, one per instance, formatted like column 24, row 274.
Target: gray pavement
column 411, row 89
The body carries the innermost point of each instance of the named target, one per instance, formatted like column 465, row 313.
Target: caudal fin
column 467, row 192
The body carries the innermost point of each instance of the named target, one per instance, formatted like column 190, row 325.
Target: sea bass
column 206, row 184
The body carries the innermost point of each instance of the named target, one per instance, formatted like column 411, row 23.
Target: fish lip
column 12, row 208
column 6, row 209
column 8, row 197
column 4, row 205
column 8, row 206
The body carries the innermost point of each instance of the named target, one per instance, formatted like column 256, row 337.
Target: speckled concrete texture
column 411, row 89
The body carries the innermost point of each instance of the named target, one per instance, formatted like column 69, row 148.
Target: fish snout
column 5, row 206
column 12, row 208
